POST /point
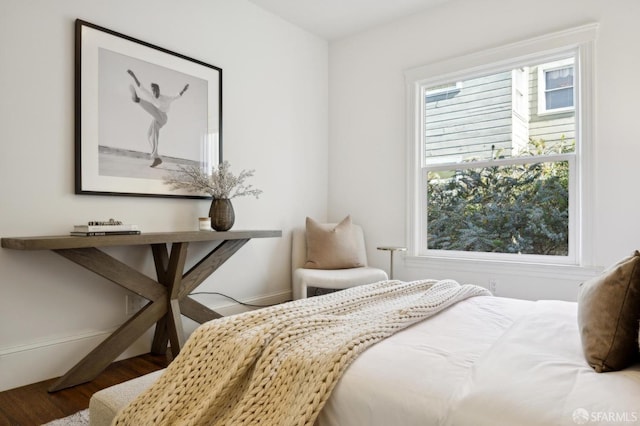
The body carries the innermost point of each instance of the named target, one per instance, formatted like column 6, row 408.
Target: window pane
column 519, row 209
column 442, row 90
column 559, row 78
column 496, row 115
column 562, row 98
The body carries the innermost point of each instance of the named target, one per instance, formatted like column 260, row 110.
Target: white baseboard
column 36, row 361
column 30, row 363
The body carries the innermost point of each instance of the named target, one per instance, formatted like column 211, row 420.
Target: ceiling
column 334, row 19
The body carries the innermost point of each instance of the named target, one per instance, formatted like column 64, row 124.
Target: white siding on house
column 470, row 122
column 549, row 127
column 489, row 116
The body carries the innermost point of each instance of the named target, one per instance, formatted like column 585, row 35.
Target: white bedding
column 485, row 361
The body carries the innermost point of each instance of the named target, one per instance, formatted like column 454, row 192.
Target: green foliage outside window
column 521, row 208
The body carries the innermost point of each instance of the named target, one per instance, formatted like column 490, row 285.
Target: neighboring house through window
column 499, row 146
column 556, row 87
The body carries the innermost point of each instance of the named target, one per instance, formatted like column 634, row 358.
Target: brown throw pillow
column 331, row 246
column 608, row 313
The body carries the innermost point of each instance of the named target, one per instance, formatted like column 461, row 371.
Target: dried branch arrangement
column 220, row 184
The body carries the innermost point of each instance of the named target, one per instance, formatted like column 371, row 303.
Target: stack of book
column 110, row 227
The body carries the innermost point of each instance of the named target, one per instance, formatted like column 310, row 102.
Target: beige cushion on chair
column 332, row 246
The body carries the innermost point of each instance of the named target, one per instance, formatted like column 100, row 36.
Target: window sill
column 557, row 111
column 538, row 270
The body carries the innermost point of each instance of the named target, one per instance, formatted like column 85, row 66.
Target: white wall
column 275, row 121
column 367, row 133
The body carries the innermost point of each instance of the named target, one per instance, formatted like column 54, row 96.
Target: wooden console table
column 168, row 296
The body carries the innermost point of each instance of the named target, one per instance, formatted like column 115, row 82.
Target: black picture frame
column 130, row 96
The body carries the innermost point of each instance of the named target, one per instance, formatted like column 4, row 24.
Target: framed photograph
column 142, row 111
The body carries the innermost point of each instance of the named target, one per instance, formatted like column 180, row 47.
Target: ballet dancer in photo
column 158, row 106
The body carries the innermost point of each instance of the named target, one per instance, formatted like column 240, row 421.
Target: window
column 491, row 178
column 555, row 87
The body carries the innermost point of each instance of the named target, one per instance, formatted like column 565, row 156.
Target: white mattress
column 486, row 361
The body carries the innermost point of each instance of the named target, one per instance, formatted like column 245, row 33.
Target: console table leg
column 99, row 358
column 197, row 311
column 169, row 269
column 174, row 327
column 160, row 338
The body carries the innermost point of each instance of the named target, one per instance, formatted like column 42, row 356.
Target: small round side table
column 391, row 250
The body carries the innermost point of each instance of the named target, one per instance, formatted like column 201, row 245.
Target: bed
column 482, row 361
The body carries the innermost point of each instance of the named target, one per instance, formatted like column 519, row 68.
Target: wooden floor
column 33, row 405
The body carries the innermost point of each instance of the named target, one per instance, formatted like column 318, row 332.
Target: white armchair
column 302, row 278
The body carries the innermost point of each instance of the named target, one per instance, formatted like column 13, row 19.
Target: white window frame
column 580, row 40
column 542, row 86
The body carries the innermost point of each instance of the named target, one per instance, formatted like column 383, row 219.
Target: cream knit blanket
column 278, row 365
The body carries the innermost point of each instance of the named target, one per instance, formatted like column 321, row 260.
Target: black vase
column 222, row 214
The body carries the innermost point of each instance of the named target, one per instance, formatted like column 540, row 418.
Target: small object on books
column 103, row 223
column 102, row 233
column 102, row 228
column 105, row 228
